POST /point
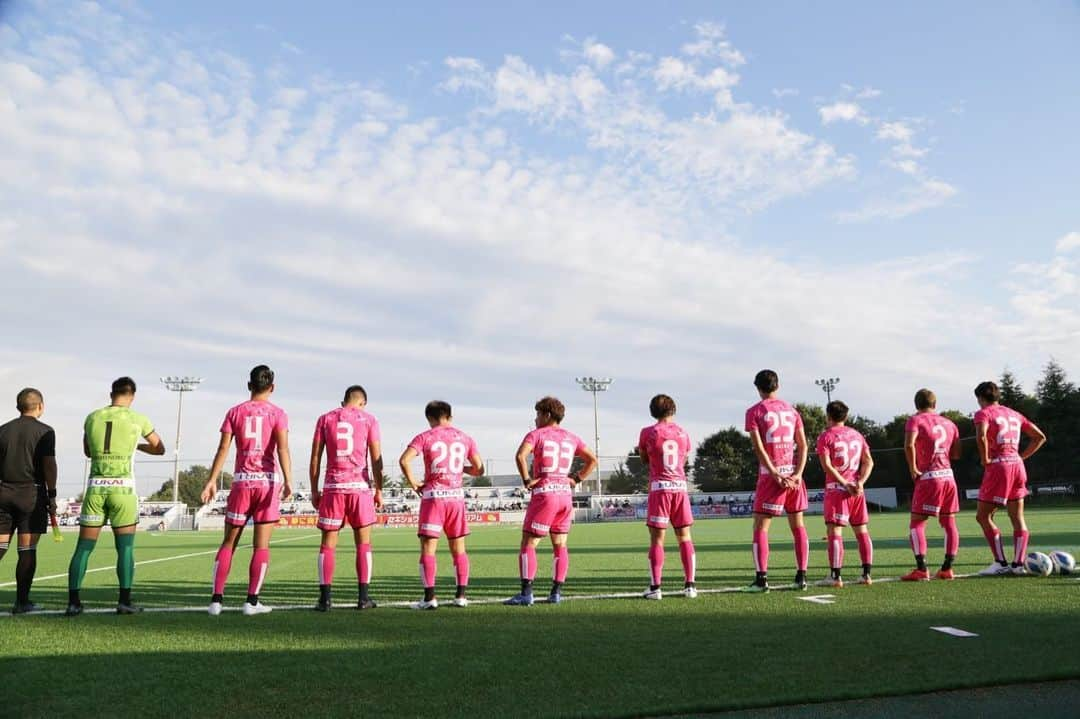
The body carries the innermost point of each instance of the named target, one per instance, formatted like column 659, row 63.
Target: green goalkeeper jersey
column 113, row 433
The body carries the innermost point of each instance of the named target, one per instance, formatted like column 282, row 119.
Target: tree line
column 725, row 462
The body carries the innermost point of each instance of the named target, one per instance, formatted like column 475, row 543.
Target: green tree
column 725, row 462
column 192, row 481
column 814, row 423
column 481, row 481
column 630, row 476
column 1058, row 415
column 1012, row 394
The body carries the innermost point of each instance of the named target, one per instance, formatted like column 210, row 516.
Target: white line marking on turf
column 155, row 561
column 820, row 599
column 954, row 632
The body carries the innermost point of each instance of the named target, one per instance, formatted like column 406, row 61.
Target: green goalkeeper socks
column 79, row 560
column 125, row 559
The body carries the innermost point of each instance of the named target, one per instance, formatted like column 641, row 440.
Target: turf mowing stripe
column 153, row 561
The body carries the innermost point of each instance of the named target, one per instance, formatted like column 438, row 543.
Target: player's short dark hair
column 661, row 406
column 355, row 390
column 262, row 377
column 28, row 399
column 988, row 392
column 837, row 411
column 123, row 386
column 436, row 409
column 551, row 406
column 925, row 399
column 767, row 381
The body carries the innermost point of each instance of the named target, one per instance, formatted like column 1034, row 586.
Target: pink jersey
column 934, row 437
column 554, row 449
column 346, row 432
column 446, row 451
column 844, row 447
column 253, row 424
column 778, row 423
column 1003, row 431
column 664, row 446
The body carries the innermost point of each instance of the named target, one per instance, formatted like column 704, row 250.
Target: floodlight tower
column 595, row 385
column 828, row 385
column 180, row 385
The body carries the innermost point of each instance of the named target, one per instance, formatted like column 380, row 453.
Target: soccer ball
column 1038, row 564
column 1063, row 562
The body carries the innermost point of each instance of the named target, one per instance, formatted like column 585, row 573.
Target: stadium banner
column 700, row 511
column 298, row 520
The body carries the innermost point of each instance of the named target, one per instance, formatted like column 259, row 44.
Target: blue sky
column 480, row 202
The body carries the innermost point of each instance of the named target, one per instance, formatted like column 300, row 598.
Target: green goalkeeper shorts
column 119, row 506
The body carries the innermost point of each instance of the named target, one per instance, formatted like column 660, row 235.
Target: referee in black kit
column 27, row 488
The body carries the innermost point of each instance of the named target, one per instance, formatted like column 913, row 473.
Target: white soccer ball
column 1063, row 562
column 1039, row 564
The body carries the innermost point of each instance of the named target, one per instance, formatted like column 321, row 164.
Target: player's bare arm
column 590, row 463
column 909, row 454
column 1036, row 437
column 522, row 460
column 405, row 462
column 475, row 468
column 802, row 453
column 956, row 451
column 831, row 472
column 644, row 455
column 285, row 460
column 763, row 457
column 210, row 489
column 983, row 445
column 153, row 445
column 315, row 467
column 866, row 468
column 375, row 455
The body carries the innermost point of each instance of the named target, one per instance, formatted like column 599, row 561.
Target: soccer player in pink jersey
column 663, row 448
column 351, row 493
column 931, row 442
column 552, row 483
column 845, row 457
column 776, row 431
column 448, row 453
column 261, row 430
column 998, row 430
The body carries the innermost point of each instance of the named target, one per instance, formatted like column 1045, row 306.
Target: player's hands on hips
column 209, row 492
column 378, row 499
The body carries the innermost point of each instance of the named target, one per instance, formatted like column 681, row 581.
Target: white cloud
column 598, row 54
column 896, row 131
column 781, row 92
column 1068, row 242
column 710, row 43
column 927, row 194
column 868, row 93
column 842, row 112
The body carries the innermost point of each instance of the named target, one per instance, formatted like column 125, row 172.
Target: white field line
column 408, row 604
column 153, row 561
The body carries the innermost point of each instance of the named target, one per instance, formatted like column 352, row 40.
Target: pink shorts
column 549, row 513
column 771, row 498
column 843, row 509
column 1003, row 482
column 669, row 509
column 257, row 501
column 442, row 515
column 356, row 508
column 935, row 496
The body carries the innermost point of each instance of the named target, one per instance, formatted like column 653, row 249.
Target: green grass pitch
column 613, row 657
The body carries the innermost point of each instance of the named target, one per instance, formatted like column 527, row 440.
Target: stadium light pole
column 595, row 385
column 180, row 385
column 828, row 385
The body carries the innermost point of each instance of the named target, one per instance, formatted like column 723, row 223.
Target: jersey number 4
column 253, row 431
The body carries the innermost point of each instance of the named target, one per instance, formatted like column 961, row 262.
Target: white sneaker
column 214, row 609
column 460, row 602
column 251, row 610
column 1020, row 571
column 690, row 592
column 653, row 594
column 433, row 604
column 994, row 570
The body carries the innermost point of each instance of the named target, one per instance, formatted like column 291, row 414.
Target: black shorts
column 23, row 509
